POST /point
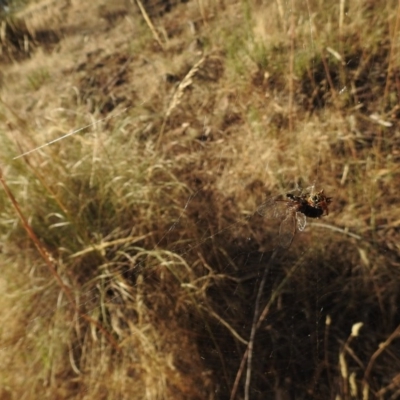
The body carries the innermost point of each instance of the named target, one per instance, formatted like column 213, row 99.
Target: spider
column 312, row 206
column 294, row 211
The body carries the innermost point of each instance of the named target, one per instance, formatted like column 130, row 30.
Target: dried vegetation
column 131, row 251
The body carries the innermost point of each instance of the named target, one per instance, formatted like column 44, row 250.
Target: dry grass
column 150, row 249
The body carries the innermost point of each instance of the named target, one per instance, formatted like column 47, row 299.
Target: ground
column 133, row 248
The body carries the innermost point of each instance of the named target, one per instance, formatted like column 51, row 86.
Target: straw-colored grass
column 132, row 251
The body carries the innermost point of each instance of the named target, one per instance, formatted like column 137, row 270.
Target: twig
column 48, row 260
column 239, row 374
column 254, row 325
column 291, row 67
column 248, row 354
column 227, row 326
column 392, row 55
column 69, row 134
column 336, row 229
column 150, row 24
column 261, row 318
column 382, row 347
